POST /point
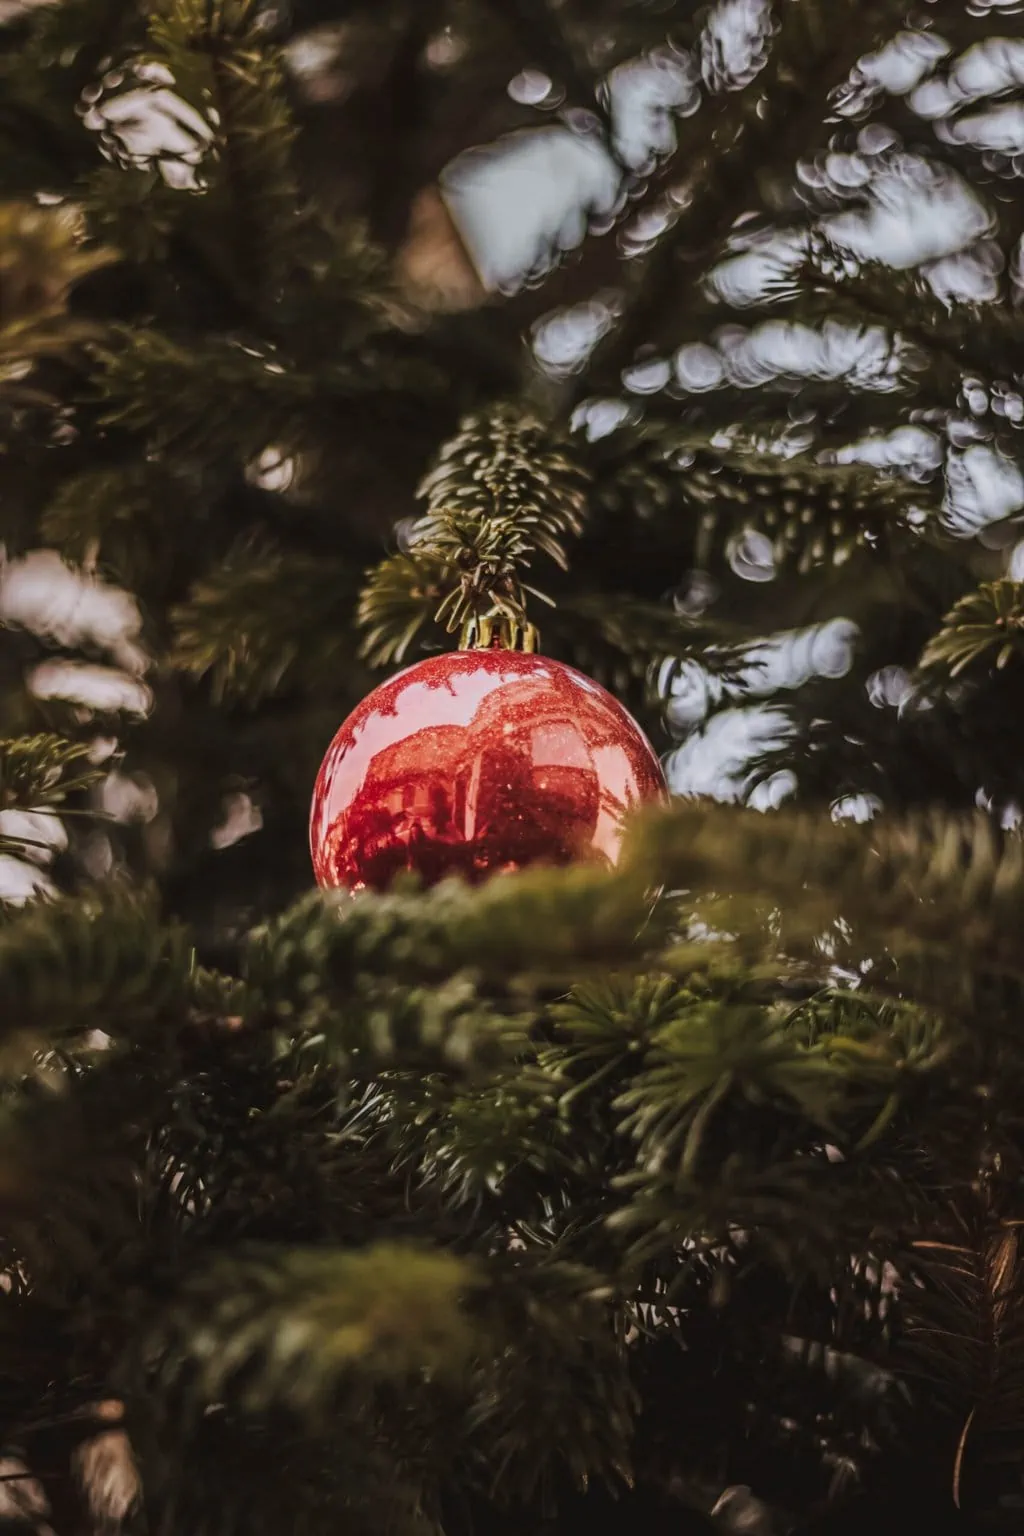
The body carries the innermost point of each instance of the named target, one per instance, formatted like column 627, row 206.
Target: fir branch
column 42, row 257
column 718, row 1053
column 41, row 82
column 963, row 1330
column 618, row 639
column 266, row 618
column 536, row 925
column 986, row 625
column 903, row 885
column 212, row 1481
column 727, row 476
column 399, row 598
column 225, row 64
column 557, row 1400
column 41, row 771
column 134, row 209
column 378, row 1025
column 502, row 491
column 944, row 336
column 70, row 1165
column 101, row 962
column 285, row 1327
column 190, row 396
column 816, row 512
column 226, row 395
column 611, row 635
column 480, row 1142
column 124, row 518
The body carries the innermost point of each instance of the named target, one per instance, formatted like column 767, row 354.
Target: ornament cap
column 498, row 632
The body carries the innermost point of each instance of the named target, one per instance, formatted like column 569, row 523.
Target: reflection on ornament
column 475, row 763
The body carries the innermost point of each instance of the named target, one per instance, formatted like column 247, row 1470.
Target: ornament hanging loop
column 498, row 631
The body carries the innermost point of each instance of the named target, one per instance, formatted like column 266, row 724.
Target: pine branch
column 214, row 1481
column 124, row 518
column 399, row 599
column 945, row 336
column 502, row 491
column 816, row 510
column 481, row 1142
column 443, row 1027
column 849, row 1080
column 192, row 396
column 611, row 635
column 617, row 639
column 41, row 82
column 70, row 1163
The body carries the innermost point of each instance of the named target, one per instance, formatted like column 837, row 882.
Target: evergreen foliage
column 683, row 1196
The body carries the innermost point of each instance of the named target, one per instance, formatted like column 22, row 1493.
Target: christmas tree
column 678, row 1191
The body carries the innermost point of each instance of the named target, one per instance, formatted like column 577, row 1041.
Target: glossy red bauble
column 473, row 763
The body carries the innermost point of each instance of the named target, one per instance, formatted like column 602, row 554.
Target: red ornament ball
column 475, row 763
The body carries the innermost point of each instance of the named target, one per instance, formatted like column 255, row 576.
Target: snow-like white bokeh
column 14, row 10
column 42, row 593
column 983, row 486
column 735, row 43
column 272, row 470
column 894, row 69
column 126, row 797
column 76, row 610
column 645, row 96
column 916, row 211
column 96, row 689
column 906, row 447
column 564, row 339
column 39, row 835
column 858, row 808
column 242, row 817
column 539, row 191
column 140, row 120
column 21, row 881
column 724, row 728
column 715, row 761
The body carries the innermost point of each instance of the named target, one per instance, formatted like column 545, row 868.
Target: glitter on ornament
column 475, row 763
